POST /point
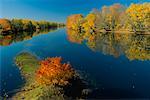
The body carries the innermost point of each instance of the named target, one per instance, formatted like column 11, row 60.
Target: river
column 110, row 63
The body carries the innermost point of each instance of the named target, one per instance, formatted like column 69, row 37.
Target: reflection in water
column 133, row 46
column 6, row 40
column 107, row 76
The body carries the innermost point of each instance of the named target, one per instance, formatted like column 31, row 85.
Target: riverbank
column 113, row 18
column 10, row 26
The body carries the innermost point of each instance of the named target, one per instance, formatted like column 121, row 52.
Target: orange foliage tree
column 52, row 71
column 5, row 24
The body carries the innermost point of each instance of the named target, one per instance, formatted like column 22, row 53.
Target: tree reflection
column 139, row 48
column 133, row 46
column 6, row 40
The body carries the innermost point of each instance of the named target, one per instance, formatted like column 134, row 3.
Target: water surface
column 117, row 64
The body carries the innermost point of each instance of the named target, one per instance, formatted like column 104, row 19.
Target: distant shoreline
column 8, row 26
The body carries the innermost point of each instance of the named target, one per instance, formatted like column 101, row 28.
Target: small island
column 47, row 79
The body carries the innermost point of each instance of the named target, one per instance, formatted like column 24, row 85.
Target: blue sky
column 53, row 10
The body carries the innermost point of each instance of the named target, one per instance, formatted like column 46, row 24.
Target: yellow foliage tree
column 139, row 16
column 89, row 24
column 73, row 22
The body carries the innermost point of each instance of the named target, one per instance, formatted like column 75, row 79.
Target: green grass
column 27, row 63
column 39, row 92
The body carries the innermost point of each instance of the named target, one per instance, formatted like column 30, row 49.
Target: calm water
column 111, row 63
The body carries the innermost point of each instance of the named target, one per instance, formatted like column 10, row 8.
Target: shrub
column 52, row 71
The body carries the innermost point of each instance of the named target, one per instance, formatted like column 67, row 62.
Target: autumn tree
column 89, row 23
column 5, row 25
column 17, row 24
column 52, row 71
column 111, row 16
column 99, row 20
column 74, row 22
column 43, row 24
column 36, row 24
column 27, row 25
column 139, row 16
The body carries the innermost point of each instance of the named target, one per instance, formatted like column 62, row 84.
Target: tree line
column 16, row 25
column 116, row 17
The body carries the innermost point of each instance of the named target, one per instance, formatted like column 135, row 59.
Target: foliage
column 74, row 22
column 139, row 16
column 89, row 23
column 114, row 18
column 111, row 18
column 52, row 71
column 90, row 18
column 27, row 25
column 5, row 24
column 17, row 25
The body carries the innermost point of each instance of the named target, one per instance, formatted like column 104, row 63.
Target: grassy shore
column 28, row 65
